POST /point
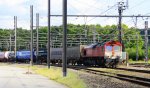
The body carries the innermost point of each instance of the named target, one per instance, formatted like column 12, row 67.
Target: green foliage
column 132, row 37
column 78, row 34
column 132, row 53
column 141, row 54
column 4, row 36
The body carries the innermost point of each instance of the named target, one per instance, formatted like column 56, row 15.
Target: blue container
column 24, row 55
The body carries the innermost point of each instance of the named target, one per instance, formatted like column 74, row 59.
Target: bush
column 132, row 53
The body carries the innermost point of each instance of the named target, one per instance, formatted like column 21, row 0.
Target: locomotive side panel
column 89, row 52
column 96, row 51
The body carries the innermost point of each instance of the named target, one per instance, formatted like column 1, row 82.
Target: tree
column 77, row 34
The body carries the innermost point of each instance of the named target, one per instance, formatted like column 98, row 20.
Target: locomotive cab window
column 116, row 48
column 109, row 48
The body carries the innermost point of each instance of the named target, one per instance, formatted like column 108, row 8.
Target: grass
column 139, row 61
column 72, row 80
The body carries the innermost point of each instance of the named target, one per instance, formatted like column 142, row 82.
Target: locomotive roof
column 113, row 42
column 92, row 45
column 101, row 44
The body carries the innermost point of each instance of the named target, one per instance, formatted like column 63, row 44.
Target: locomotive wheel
column 79, row 62
column 85, row 63
column 102, row 62
column 53, row 62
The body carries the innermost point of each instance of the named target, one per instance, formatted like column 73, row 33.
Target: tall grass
column 139, row 61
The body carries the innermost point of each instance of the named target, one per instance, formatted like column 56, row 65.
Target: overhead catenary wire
column 87, row 4
column 137, row 4
column 99, row 9
column 103, row 12
column 86, row 10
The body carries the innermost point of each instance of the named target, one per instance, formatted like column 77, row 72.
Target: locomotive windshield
column 109, row 48
column 116, row 48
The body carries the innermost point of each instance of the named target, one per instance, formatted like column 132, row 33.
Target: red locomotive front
column 113, row 50
column 108, row 53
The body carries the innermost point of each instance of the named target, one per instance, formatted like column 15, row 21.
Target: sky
column 21, row 9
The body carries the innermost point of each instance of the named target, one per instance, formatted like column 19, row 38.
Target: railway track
column 144, row 81
column 140, row 65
